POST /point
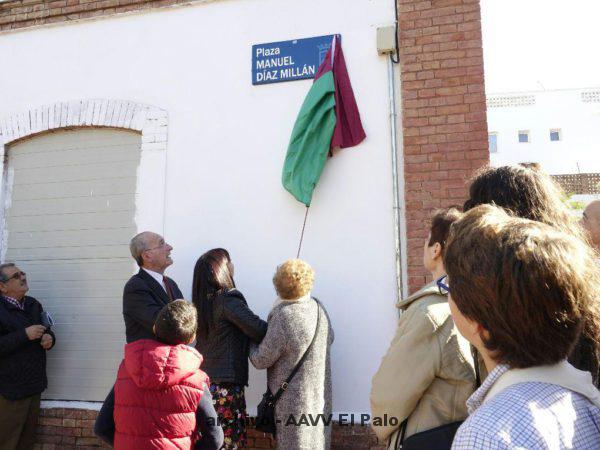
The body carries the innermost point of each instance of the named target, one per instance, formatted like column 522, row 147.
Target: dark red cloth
column 157, row 393
column 348, row 130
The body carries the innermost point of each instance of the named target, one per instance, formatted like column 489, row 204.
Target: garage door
column 69, row 219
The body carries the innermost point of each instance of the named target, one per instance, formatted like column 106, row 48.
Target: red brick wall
column 443, row 111
column 342, row 438
column 65, row 429
column 16, row 14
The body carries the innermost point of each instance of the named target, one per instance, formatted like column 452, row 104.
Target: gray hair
column 3, row 277
column 138, row 244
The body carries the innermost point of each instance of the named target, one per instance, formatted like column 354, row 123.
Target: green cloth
column 311, row 139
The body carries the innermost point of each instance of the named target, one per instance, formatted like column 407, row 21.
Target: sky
column 540, row 44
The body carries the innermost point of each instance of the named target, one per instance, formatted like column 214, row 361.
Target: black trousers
column 18, row 422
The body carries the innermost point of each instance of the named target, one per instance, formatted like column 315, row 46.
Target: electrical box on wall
column 386, row 40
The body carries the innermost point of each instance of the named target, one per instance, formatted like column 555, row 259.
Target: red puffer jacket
column 157, row 392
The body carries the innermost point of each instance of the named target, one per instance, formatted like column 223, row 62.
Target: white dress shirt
column 158, row 277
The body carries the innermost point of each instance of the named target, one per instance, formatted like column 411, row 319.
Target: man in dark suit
column 149, row 290
column 144, row 296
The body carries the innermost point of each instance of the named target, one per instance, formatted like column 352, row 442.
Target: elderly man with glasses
column 144, row 296
column 149, row 290
column 24, row 339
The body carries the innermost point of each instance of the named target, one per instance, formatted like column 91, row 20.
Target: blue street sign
column 289, row 60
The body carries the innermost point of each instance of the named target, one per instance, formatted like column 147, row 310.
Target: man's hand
column 46, row 341
column 35, row 332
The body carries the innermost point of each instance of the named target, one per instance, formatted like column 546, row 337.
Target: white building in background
column 558, row 129
column 151, row 121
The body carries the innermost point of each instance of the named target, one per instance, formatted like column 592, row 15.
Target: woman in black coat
column 226, row 325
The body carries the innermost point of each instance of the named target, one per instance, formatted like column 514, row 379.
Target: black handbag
column 438, row 438
column 265, row 411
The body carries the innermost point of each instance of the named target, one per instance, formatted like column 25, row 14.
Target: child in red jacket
column 161, row 397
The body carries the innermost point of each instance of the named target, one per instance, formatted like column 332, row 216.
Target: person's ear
column 479, row 333
column 3, row 288
column 484, row 334
column 437, row 251
column 472, row 330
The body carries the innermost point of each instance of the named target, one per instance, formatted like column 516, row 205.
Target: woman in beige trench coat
column 427, row 373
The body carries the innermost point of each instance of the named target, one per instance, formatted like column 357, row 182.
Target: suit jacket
column 143, row 298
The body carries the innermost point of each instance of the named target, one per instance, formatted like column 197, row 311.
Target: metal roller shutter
column 68, row 220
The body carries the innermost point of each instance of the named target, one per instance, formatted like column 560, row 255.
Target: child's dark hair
column 176, row 323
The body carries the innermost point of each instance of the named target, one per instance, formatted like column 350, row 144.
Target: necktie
column 168, row 289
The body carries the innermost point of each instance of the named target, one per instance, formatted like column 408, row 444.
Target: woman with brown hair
column 226, row 326
column 520, row 291
column 532, row 194
column 427, row 373
column 524, row 192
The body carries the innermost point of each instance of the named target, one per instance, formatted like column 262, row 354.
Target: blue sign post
column 289, row 60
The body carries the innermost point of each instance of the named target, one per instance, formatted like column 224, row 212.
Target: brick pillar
column 443, row 111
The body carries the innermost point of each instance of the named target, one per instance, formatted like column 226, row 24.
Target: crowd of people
column 196, row 395
column 500, row 350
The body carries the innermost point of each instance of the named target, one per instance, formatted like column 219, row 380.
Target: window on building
column 524, row 136
column 555, row 134
column 493, row 142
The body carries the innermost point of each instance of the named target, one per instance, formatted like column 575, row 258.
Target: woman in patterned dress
column 226, row 326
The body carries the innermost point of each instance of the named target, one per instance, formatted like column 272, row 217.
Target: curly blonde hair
column 293, row 279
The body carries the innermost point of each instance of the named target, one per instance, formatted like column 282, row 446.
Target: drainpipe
column 395, row 187
column 387, row 44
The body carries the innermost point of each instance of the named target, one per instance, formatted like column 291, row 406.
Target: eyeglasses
column 16, row 276
column 158, row 246
column 442, row 284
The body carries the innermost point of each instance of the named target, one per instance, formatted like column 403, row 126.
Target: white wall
column 580, row 132
column 226, row 145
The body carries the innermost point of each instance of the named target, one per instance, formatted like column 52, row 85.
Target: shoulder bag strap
column 400, row 435
column 285, row 384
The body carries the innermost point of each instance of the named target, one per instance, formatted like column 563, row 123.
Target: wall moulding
column 150, row 121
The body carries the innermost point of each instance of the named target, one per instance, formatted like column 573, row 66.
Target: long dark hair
column 213, row 275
